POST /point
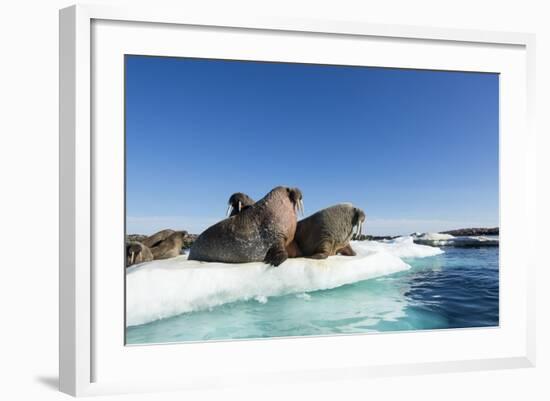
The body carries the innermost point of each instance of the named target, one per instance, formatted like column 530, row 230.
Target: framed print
column 377, row 179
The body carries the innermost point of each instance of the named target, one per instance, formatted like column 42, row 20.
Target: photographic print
column 273, row 199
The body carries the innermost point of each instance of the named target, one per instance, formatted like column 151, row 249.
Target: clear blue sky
column 417, row 150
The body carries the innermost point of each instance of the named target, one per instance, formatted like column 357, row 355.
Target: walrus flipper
column 347, row 251
column 320, row 255
column 323, row 251
column 276, row 255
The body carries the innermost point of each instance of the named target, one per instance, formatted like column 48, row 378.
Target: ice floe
column 165, row 288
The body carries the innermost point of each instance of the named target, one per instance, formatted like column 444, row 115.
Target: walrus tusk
column 229, row 210
column 360, row 228
column 132, row 258
column 301, row 206
column 240, row 205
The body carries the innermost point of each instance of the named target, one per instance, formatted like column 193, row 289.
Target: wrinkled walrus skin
column 327, row 232
column 258, row 233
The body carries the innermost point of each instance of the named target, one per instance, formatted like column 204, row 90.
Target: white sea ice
column 165, row 288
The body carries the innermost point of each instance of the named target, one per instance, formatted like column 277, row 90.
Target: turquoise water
column 456, row 289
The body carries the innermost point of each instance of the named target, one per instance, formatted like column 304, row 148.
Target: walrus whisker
column 229, row 210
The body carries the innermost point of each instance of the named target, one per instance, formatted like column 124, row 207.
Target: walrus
column 258, row 233
column 327, row 232
column 157, row 238
column 237, row 202
column 170, row 246
column 136, row 253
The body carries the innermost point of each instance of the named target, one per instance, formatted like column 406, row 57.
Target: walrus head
column 295, row 196
column 237, row 202
column 133, row 250
column 358, row 220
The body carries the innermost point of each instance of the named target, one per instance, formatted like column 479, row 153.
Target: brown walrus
column 258, row 233
column 237, row 202
column 136, row 253
column 162, row 245
column 169, row 247
column 157, row 238
column 327, row 232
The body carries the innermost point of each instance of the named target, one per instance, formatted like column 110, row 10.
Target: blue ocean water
column 457, row 289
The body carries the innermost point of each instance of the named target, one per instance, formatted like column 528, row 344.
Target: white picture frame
column 93, row 358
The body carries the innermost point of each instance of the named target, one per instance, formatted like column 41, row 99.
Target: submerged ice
column 165, row 288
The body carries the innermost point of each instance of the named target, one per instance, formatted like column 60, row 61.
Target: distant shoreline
column 473, row 232
column 461, row 232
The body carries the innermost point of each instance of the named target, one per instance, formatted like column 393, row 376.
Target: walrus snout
column 136, row 252
column 295, row 196
column 133, row 250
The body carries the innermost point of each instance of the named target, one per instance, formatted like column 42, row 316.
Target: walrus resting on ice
column 327, row 232
column 157, row 238
column 258, row 233
column 169, row 247
column 162, row 245
column 136, row 253
column 237, row 202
